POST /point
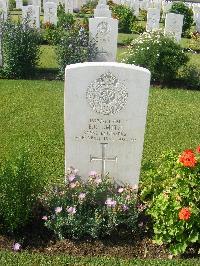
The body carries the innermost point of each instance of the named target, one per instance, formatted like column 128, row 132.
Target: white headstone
column 50, row 13
column 69, row 6
column 1, row 54
column 54, row 1
column 3, row 10
column 174, row 25
column 32, row 15
column 104, row 30
column 105, row 116
column 77, row 4
column 153, row 19
column 19, row 4
column 37, row 3
column 134, row 5
column 198, row 22
column 196, row 10
column 102, row 10
column 144, row 4
column 166, row 6
column 157, row 4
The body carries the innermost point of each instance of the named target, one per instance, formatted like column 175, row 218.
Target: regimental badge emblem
column 107, row 95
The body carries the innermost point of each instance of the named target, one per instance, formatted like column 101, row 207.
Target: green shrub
column 137, row 28
column 65, row 20
column 89, row 7
column 158, row 53
column 181, row 8
column 20, row 187
column 174, row 206
column 143, row 15
column 190, row 77
column 125, row 17
column 74, row 47
column 194, row 42
column 94, row 208
column 50, row 34
column 20, row 47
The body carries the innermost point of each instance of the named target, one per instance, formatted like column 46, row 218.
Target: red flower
column 198, row 149
column 184, row 214
column 187, row 158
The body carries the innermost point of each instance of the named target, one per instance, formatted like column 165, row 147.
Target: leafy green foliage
column 88, row 8
column 143, row 14
column 181, row 8
column 190, row 77
column 20, row 187
column 173, row 197
column 125, row 16
column 194, row 42
column 137, row 28
column 51, row 34
column 65, row 20
column 94, row 208
column 74, row 47
column 158, row 53
column 20, row 47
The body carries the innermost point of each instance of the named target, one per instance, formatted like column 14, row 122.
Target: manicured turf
column 173, row 121
column 31, row 115
column 26, row 259
column 48, row 57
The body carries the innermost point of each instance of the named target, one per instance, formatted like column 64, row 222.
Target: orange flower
column 184, row 214
column 198, row 149
column 187, row 158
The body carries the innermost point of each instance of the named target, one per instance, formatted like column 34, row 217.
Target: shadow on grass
column 46, row 74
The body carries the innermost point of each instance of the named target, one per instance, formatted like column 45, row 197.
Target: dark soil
column 129, row 247
column 37, row 239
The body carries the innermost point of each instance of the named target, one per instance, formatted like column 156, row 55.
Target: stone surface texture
column 104, row 115
column 174, row 25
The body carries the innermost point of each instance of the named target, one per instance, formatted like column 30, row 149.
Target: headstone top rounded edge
column 107, row 64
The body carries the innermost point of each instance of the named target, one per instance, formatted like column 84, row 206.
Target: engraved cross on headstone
column 103, row 159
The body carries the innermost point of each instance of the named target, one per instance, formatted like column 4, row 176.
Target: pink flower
column 135, row 187
column 16, row 247
column 81, row 196
column 128, row 197
column 141, row 207
column 120, row 190
column 92, row 173
column 72, row 185
column 71, row 210
column 71, row 178
column 58, row 210
column 125, row 207
column 98, row 180
column 45, row 218
column 110, row 202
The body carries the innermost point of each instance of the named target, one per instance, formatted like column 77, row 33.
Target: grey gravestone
column 105, row 116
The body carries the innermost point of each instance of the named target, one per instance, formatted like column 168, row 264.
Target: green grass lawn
column 26, row 259
column 31, row 115
column 48, row 57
